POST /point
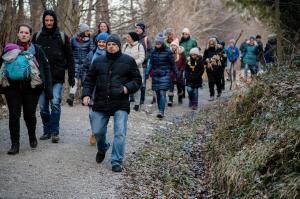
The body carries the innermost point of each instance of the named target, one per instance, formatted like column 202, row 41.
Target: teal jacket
column 188, row 44
column 250, row 54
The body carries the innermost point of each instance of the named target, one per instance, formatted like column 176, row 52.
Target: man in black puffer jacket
column 57, row 48
column 113, row 76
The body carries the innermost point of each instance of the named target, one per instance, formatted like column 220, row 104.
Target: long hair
column 108, row 29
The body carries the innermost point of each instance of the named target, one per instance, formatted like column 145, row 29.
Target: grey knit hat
column 114, row 38
column 159, row 38
column 83, row 27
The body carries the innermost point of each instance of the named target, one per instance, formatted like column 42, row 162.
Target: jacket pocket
column 117, row 91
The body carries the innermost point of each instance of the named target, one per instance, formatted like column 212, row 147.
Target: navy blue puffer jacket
column 81, row 50
column 162, row 62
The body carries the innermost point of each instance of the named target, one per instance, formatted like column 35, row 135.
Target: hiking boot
column 136, row 107
column 45, row 137
column 117, row 168
column 33, row 143
column 160, row 115
column 14, row 149
column 70, row 100
column 211, row 98
column 92, row 140
column 55, row 138
column 100, row 156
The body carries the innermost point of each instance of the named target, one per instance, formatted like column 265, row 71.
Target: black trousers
column 16, row 99
column 214, row 78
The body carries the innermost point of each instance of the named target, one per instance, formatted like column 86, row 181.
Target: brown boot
column 92, row 140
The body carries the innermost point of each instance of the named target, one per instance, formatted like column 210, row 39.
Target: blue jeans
column 193, row 96
column 99, row 128
column 161, row 100
column 51, row 119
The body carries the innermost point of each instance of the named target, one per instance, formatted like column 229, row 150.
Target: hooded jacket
column 59, row 53
column 108, row 75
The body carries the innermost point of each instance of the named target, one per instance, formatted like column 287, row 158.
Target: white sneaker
column 212, row 98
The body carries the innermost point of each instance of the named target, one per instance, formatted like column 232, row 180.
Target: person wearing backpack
column 136, row 50
column 57, row 47
column 20, row 92
column 81, row 45
column 140, row 29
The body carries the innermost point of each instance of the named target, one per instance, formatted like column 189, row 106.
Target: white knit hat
column 181, row 49
column 195, row 51
column 186, row 30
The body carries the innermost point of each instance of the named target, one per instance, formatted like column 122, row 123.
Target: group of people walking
column 110, row 74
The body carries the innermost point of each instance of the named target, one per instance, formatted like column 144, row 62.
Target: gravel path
column 68, row 169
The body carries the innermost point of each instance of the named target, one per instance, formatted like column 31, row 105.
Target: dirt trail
column 68, row 169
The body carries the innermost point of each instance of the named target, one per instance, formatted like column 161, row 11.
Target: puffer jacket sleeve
column 135, row 78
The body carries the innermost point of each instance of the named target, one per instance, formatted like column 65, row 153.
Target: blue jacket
column 250, row 55
column 232, row 53
column 162, row 62
column 95, row 53
column 81, row 50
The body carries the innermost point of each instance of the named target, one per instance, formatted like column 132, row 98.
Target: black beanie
column 114, row 38
column 134, row 36
column 50, row 13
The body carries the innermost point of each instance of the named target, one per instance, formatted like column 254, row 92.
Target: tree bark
column 68, row 15
column 102, row 12
column 89, row 14
column 36, row 11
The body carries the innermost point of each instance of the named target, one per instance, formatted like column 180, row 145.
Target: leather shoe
column 100, row 156
column 14, row 149
column 33, row 143
column 117, row 168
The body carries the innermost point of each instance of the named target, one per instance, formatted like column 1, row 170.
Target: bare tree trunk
column 36, row 10
column 132, row 12
column 68, row 15
column 102, row 12
column 8, row 18
column 89, row 14
column 21, row 15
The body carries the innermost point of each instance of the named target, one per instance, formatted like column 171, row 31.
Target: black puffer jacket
column 108, row 74
column 59, row 53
